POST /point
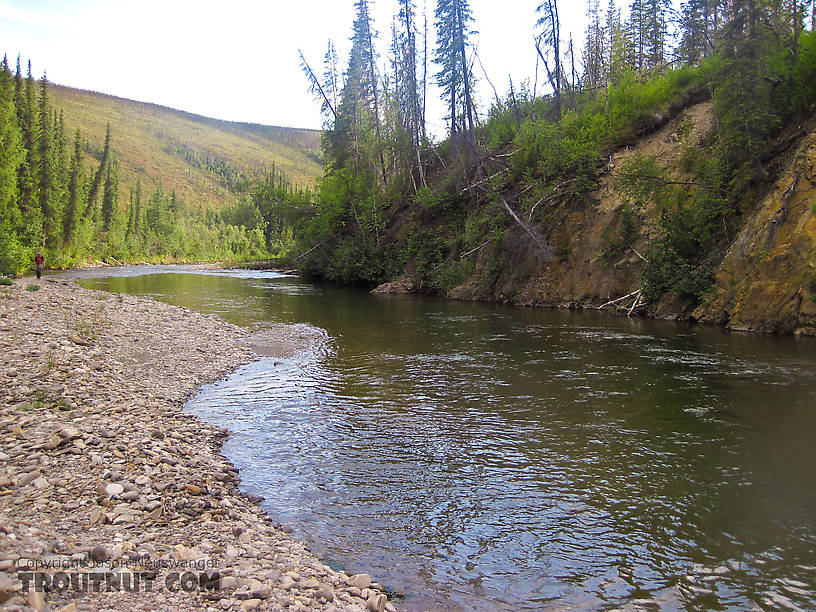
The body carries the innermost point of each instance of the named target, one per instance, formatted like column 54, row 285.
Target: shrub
column 6, row 282
column 33, row 287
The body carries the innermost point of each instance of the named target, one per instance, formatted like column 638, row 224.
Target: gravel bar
column 105, row 482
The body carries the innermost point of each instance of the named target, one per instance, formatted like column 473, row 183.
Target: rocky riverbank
column 111, row 497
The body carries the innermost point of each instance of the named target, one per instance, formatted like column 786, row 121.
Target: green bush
column 5, row 282
column 450, row 274
column 437, row 202
column 693, row 222
column 32, row 287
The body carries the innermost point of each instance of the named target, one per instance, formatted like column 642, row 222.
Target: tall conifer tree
column 453, row 19
column 75, row 182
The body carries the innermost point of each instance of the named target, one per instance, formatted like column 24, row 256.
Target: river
column 483, row 457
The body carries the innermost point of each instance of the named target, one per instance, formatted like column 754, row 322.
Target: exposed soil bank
column 102, row 471
column 765, row 282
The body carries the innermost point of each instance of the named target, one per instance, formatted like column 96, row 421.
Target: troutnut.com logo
column 95, row 581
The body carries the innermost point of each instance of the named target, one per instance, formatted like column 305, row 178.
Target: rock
column 28, row 477
column 6, row 584
column 287, row 583
column 36, row 601
column 376, row 603
column 71, row 607
column 114, row 489
column 70, row 433
column 361, row 581
column 100, row 553
column 231, row 552
column 325, row 593
column 258, row 590
column 155, row 514
column 228, row 583
column 123, row 473
column 182, row 553
column 50, row 443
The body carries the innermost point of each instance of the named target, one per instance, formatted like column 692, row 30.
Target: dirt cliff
column 766, row 282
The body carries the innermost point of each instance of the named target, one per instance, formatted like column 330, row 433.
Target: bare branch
column 314, row 83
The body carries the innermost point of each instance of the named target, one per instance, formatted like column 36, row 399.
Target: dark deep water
column 484, row 457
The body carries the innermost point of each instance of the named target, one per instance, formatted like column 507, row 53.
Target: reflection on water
column 482, row 457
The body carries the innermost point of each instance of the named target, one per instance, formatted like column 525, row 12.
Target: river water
column 481, row 457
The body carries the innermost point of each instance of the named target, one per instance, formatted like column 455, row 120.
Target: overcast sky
column 238, row 60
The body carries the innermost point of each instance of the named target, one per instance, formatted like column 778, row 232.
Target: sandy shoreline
column 103, row 474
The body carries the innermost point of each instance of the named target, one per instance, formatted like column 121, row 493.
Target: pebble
column 113, row 489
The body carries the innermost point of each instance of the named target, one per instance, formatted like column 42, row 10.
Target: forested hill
column 199, row 158
column 87, row 177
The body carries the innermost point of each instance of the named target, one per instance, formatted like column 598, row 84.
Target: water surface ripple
column 481, row 457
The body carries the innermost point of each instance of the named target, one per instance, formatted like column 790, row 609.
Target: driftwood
column 635, row 303
column 620, row 299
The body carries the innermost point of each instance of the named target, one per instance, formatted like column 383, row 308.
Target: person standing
column 38, row 264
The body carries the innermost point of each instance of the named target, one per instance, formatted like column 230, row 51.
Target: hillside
column 195, row 156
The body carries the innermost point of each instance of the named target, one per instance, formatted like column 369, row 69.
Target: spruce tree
column 46, row 182
column 93, row 190
column 137, row 209
column 637, row 31
column 75, row 182
column 358, row 111
column 29, row 171
column 130, row 220
column 453, row 19
column 594, row 47
column 12, row 156
column 744, row 97
column 110, row 193
column 658, row 14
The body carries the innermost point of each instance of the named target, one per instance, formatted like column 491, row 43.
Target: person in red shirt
column 38, row 263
